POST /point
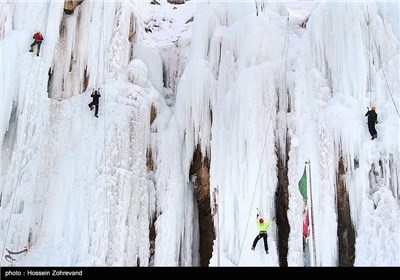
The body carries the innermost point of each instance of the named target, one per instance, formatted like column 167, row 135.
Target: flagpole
column 312, row 216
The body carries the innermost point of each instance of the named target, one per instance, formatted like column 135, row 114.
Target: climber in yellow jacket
column 262, row 226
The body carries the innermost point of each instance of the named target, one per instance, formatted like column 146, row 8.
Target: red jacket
column 38, row 36
column 306, row 223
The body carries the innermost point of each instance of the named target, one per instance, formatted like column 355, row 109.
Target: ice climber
column 38, row 41
column 96, row 95
column 262, row 226
column 372, row 120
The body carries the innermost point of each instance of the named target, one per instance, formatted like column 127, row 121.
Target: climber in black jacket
column 96, row 95
column 372, row 120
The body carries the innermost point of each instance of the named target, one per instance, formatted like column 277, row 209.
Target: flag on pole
column 303, row 185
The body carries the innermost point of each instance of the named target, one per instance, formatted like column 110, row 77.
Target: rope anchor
column 10, row 259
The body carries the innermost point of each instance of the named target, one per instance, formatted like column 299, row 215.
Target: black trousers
column 36, row 42
column 258, row 237
column 96, row 108
column 371, row 128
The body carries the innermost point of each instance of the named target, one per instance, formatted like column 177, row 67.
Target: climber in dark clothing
column 372, row 120
column 96, row 95
column 38, row 41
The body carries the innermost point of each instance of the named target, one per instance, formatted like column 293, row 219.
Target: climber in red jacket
column 38, row 41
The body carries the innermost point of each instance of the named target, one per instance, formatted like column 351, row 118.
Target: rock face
column 345, row 229
column 282, row 205
column 200, row 169
column 149, row 156
column 70, row 5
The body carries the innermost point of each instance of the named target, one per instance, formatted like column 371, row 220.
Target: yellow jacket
column 264, row 225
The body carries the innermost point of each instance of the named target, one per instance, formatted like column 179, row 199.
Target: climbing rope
column 104, row 129
column 265, row 141
column 383, row 70
column 286, row 90
column 369, row 60
column 18, row 178
column 286, row 55
column 45, row 18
